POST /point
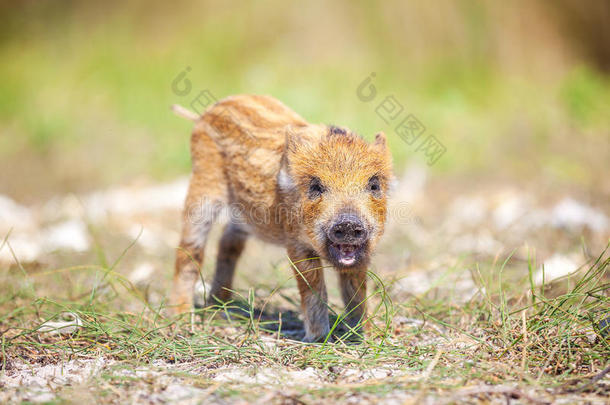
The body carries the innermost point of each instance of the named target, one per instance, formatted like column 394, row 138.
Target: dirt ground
column 456, row 255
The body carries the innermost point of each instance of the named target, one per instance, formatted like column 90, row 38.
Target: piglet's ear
column 380, row 141
column 284, row 179
column 293, row 140
column 301, row 139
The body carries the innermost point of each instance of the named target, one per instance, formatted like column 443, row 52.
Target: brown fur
column 258, row 157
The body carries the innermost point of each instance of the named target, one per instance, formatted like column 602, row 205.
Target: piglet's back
column 249, row 132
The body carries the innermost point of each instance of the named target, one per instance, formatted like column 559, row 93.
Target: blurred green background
column 514, row 91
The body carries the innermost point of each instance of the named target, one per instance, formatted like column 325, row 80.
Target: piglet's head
column 340, row 183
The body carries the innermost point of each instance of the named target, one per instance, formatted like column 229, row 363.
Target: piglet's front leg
column 310, row 280
column 353, row 291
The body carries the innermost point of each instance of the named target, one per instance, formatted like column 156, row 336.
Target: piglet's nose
column 349, row 229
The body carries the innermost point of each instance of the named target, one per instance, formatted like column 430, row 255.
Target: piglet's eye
column 374, row 186
column 315, row 188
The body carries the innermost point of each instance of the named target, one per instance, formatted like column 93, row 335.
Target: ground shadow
column 283, row 322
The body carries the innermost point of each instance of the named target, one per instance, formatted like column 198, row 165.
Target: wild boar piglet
column 320, row 191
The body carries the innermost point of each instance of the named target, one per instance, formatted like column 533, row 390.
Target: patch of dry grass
column 538, row 344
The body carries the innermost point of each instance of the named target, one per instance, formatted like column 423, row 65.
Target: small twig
column 510, row 391
column 525, row 342
column 597, row 377
column 431, row 366
column 548, row 361
column 421, row 324
column 600, row 375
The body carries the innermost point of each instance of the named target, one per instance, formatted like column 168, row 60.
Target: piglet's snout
column 348, row 229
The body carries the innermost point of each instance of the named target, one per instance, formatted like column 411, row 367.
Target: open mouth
column 345, row 254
